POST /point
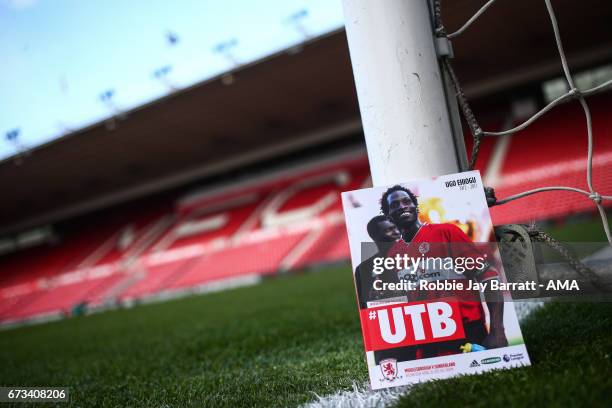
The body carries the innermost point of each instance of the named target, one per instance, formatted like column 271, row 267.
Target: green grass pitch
column 278, row 343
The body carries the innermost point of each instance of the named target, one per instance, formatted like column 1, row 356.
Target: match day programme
column 305, row 203
column 449, row 316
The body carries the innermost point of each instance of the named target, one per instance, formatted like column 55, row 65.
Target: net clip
column 444, row 48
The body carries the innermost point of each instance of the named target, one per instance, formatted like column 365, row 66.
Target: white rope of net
column 573, row 92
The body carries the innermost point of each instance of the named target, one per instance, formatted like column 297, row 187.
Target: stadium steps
column 99, row 253
column 260, row 258
column 293, row 257
column 152, row 233
column 63, row 298
column 330, row 247
column 157, row 278
column 111, row 294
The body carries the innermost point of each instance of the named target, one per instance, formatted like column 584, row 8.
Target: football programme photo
column 305, row 203
column 423, row 283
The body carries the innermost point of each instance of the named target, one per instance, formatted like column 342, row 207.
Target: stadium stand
column 284, row 221
column 552, row 152
column 203, row 238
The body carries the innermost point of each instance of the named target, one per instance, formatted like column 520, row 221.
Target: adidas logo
column 474, row 364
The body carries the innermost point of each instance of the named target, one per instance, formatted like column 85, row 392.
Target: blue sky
column 58, row 56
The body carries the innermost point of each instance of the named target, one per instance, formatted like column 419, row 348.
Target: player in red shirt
column 432, row 241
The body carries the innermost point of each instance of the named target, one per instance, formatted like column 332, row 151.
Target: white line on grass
column 362, row 396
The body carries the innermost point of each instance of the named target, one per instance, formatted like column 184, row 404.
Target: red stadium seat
column 260, row 258
column 62, row 298
column 158, row 278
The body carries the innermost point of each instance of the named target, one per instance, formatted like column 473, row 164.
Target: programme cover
column 429, row 281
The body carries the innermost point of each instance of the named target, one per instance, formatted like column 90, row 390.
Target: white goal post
column 401, row 90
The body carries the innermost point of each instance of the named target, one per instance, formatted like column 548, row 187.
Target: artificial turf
column 279, row 343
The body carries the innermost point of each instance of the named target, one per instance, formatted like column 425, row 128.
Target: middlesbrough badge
column 424, row 248
column 389, row 368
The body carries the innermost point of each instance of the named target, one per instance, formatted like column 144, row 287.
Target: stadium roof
column 287, row 101
column 68, row 65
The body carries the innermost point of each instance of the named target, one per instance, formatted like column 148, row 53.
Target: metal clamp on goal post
column 444, row 47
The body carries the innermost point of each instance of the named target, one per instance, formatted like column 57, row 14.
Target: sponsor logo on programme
column 388, row 367
column 490, row 360
column 474, row 364
column 424, row 247
column 506, row 358
column 518, row 356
